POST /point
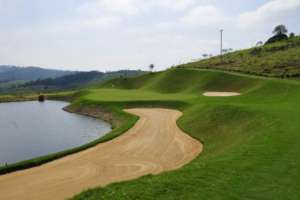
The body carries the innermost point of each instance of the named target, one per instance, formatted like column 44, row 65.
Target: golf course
column 150, row 100
column 250, row 141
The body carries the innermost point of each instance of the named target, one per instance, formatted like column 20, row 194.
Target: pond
column 32, row 129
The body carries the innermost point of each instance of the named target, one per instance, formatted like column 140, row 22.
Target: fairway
column 251, row 142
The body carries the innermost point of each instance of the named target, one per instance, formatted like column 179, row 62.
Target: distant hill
column 79, row 79
column 68, row 81
column 279, row 59
column 21, row 79
column 15, row 73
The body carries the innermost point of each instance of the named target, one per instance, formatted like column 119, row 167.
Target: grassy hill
column 251, row 142
column 280, row 59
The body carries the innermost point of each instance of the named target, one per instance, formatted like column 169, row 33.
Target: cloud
column 174, row 5
column 117, row 7
column 203, row 16
column 108, row 13
column 128, row 7
column 274, row 11
column 130, row 32
column 133, row 7
column 94, row 15
column 84, row 24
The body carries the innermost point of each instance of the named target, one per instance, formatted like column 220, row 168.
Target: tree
column 151, row 67
column 259, row 43
column 280, row 30
column 292, row 35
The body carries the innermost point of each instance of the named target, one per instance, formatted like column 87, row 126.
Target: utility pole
column 221, row 45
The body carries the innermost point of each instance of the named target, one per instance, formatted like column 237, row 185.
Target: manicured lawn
column 118, row 95
column 251, row 142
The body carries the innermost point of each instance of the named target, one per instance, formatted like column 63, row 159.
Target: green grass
column 281, row 59
column 251, row 142
column 66, row 95
column 12, row 98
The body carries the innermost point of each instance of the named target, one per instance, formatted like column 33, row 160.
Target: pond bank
column 120, row 123
column 154, row 145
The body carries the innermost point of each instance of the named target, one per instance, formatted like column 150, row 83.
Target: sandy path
column 221, row 94
column 153, row 145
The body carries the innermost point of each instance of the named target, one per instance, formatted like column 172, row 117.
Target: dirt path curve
column 153, row 145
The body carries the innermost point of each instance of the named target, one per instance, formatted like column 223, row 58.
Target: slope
column 251, row 146
column 280, row 59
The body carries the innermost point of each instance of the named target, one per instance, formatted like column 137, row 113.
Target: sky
column 108, row 35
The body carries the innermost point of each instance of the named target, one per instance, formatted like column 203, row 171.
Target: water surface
column 32, row 129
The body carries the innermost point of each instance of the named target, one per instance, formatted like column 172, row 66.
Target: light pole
column 221, row 45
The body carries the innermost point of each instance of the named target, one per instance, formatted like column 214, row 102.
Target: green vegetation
column 77, row 80
column 19, row 80
column 14, row 73
column 15, row 98
column 280, row 59
column 251, row 142
column 33, row 96
column 280, row 32
column 65, row 82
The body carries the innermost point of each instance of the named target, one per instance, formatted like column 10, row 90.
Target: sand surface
column 221, row 94
column 153, row 145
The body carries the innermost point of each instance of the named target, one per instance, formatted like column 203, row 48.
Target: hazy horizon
column 109, row 35
column 79, row 69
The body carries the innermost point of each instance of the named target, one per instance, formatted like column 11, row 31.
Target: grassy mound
column 280, row 59
column 251, row 142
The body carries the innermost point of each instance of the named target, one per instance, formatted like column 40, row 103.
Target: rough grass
column 280, row 59
column 33, row 96
column 251, row 142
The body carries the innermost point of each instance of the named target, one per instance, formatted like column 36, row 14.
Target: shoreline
column 127, row 157
column 118, row 127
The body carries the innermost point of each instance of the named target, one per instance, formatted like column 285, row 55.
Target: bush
column 277, row 38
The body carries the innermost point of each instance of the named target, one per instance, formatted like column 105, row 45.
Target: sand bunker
column 155, row 144
column 221, row 94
